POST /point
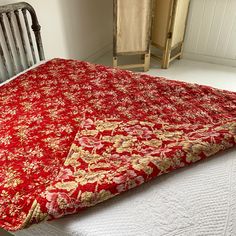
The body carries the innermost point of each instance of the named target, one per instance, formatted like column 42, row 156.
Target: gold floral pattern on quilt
column 73, row 134
column 109, row 157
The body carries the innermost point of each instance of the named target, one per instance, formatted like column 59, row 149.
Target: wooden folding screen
column 168, row 29
column 132, row 30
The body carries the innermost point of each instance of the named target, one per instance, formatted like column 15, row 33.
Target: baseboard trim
column 99, row 53
column 210, row 59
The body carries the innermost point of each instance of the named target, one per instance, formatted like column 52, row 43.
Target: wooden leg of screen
column 147, row 59
column 181, row 52
column 115, row 63
column 166, row 59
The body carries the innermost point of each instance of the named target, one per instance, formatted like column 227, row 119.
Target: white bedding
column 198, row 200
column 37, row 64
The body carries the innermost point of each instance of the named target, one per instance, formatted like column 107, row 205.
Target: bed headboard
column 19, row 50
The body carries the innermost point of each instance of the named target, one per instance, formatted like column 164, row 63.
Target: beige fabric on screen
column 162, row 17
column 132, row 25
column 180, row 18
column 160, row 22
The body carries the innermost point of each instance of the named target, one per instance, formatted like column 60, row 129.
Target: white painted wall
column 82, row 29
column 77, row 29
column 211, row 31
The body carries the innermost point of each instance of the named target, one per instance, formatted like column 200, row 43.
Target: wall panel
column 211, row 31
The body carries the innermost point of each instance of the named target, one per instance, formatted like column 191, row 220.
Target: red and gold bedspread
column 73, row 134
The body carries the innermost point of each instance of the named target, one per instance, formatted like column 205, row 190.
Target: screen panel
column 133, row 25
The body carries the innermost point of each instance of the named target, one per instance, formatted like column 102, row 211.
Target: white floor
column 218, row 76
column 3, row 233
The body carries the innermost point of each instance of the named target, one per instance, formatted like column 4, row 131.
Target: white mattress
column 198, row 200
column 37, row 64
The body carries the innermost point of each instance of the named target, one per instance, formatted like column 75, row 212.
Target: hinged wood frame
column 167, row 50
column 144, row 53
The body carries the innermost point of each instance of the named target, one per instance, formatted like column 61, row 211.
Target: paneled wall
column 82, row 29
column 211, row 31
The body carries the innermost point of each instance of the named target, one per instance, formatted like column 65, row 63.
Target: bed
column 197, row 200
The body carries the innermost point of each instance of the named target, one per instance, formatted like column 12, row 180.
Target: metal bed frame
column 17, row 40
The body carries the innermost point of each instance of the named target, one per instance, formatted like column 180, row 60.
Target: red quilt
column 73, row 134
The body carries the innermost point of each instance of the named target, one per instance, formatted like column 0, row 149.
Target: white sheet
column 194, row 201
column 37, row 64
column 198, row 200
